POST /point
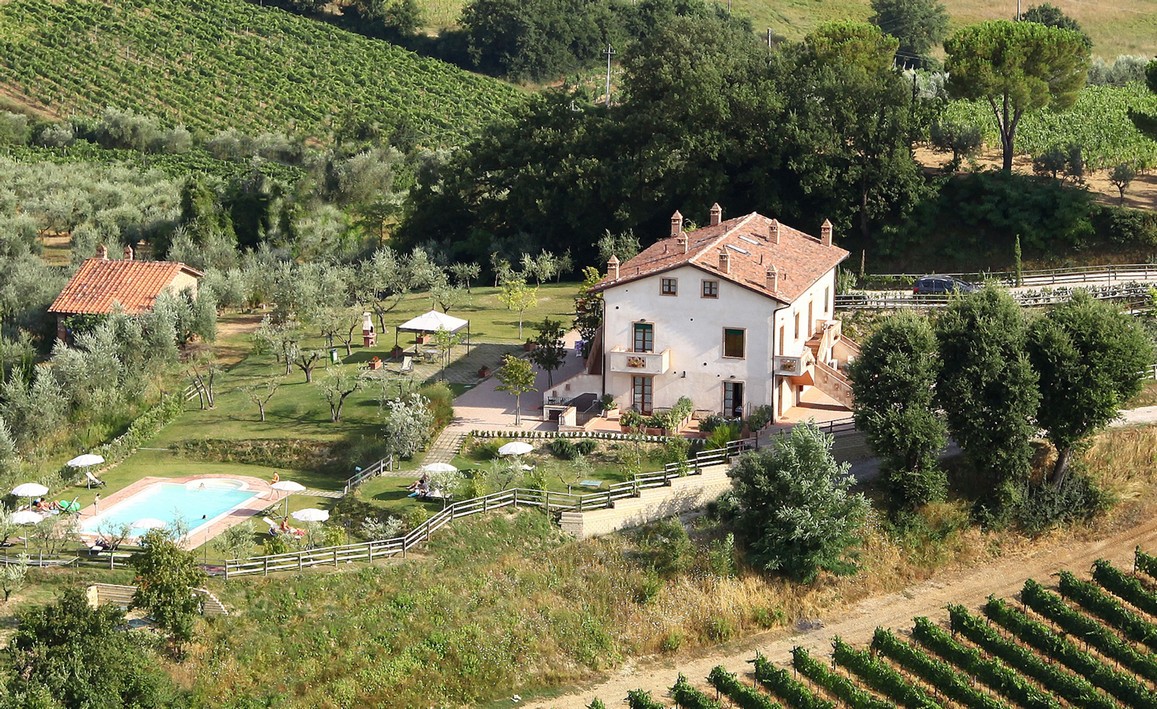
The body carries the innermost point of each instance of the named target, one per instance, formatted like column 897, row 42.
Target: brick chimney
column 773, row 231
column 724, row 260
column 128, row 253
column 773, row 279
column 676, row 223
column 102, row 252
column 716, row 214
column 613, row 268
column 826, row 233
column 682, row 242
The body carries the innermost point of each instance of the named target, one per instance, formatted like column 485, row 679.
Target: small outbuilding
column 101, row 286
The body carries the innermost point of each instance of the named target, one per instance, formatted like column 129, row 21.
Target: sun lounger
column 407, row 364
column 92, row 480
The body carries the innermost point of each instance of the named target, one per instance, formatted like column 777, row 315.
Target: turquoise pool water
column 197, row 503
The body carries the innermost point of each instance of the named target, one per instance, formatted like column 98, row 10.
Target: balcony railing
column 622, row 361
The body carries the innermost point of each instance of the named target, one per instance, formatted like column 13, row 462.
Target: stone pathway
column 331, row 494
column 446, row 445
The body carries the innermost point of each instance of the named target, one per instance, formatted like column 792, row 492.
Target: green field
column 216, row 64
column 1127, row 27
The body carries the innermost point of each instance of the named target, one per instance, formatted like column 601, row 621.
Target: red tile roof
column 799, row 258
column 99, row 284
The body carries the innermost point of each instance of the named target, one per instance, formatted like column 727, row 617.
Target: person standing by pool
column 96, row 502
column 276, row 478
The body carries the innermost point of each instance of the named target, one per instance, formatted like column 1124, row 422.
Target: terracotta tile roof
column 99, row 284
column 799, row 258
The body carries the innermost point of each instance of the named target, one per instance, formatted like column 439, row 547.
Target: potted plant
column 483, row 372
column 630, row 420
column 610, row 406
column 530, row 346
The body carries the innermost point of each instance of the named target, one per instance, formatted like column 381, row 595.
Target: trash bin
column 333, row 356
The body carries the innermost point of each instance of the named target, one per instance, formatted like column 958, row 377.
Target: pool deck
column 265, row 496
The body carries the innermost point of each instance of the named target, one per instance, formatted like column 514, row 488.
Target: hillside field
column 216, row 64
column 1126, row 27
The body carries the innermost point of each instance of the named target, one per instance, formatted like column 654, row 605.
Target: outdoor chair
column 92, row 480
column 407, row 364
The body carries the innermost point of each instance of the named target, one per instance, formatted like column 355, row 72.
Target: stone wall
column 682, row 495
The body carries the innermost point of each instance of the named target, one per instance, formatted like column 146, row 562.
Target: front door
column 641, row 395
column 733, row 398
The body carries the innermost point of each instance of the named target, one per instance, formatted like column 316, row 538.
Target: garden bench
column 593, row 484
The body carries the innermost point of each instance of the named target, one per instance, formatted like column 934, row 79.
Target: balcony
column 639, row 363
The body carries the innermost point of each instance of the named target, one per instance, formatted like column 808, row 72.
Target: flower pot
column 529, row 346
column 483, row 372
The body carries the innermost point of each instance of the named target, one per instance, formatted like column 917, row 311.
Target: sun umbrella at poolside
column 150, row 523
column 310, row 514
column 26, row 517
column 515, row 448
column 288, row 487
column 439, row 468
column 84, row 461
column 29, row 490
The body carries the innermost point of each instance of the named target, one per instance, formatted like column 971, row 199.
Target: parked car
column 938, row 285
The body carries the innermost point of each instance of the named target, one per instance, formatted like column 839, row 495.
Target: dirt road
column 971, row 587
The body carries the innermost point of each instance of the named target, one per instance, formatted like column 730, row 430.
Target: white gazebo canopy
column 434, row 321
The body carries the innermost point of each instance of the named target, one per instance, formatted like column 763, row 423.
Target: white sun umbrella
column 288, row 487
column 84, row 461
column 515, row 448
column 438, row 468
column 310, row 514
column 24, row 517
column 29, row 490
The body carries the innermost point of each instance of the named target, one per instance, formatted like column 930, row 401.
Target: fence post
column 546, row 500
column 516, row 498
column 335, row 557
column 266, row 562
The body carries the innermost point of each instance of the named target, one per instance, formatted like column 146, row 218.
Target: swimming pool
column 197, row 503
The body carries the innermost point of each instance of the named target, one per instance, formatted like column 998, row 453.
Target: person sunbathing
column 420, row 483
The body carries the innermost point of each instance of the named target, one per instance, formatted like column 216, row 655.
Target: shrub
column 441, row 402
column 1127, row 227
column 760, row 417
column 415, row 517
column 585, row 446
column 666, row 546
column 485, row 450
column 563, row 448
column 719, row 629
column 1041, row 506
column 648, row 587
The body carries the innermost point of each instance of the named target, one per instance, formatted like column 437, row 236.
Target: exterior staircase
column 834, row 384
column 100, row 594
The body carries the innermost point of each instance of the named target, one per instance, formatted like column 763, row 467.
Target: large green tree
column 894, row 380
column 795, row 511
column 1089, row 356
column 919, row 25
column 82, row 656
column 1016, row 68
column 854, row 119
column 987, row 386
column 165, row 577
column 1052, row 16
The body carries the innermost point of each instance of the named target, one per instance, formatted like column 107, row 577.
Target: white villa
column 735, row 315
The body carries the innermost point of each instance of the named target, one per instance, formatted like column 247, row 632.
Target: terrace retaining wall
column 682, row 495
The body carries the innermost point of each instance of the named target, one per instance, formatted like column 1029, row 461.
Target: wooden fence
column 372, row 471
column 1134, row 295
column 1116, row 273
column 545, row 499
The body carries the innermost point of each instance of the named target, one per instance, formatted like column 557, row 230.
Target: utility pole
column 610, row 52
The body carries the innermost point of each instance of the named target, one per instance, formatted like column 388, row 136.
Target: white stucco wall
column 691, row 327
